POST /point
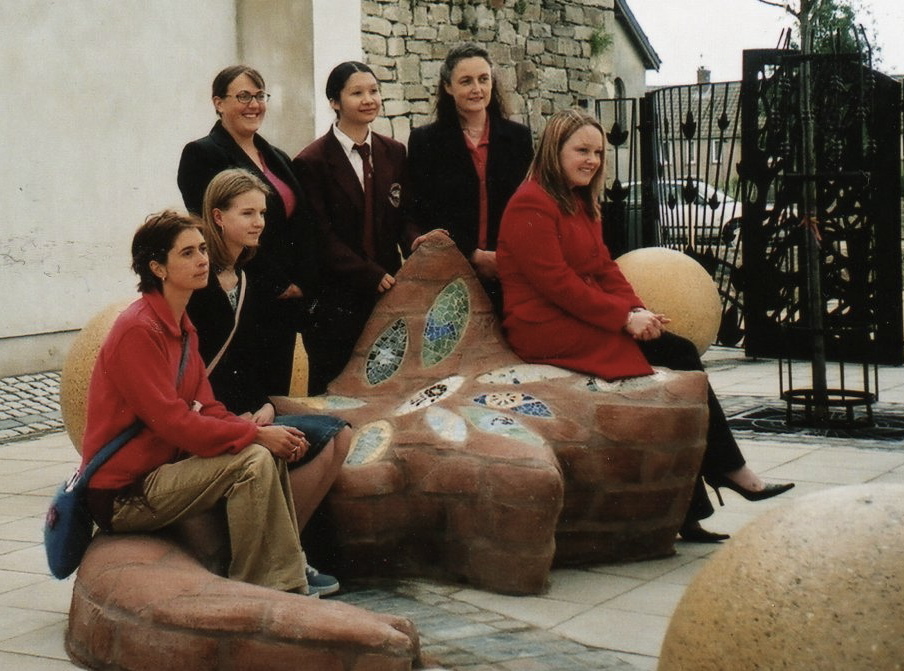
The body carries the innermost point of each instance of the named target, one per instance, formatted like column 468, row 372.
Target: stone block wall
column 541, row 48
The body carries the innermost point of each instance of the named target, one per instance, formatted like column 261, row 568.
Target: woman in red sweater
column 566, row 303
column 192, row 453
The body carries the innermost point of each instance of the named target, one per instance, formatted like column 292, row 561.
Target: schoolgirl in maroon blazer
column 355, row 180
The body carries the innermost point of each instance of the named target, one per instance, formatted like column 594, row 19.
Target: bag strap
column 235, row 324
column 132, row 430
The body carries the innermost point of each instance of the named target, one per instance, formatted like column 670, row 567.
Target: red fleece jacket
column 135, row 378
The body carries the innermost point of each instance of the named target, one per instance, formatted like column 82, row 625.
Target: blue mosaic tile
column 333, row 402
column 446, row 321
column 534, row 409
column 516, row 402
column 385, row 356
column 497, row 423
column 446, row 424
column 369, row 443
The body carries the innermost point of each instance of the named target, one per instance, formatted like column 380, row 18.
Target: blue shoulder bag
column 68, row 525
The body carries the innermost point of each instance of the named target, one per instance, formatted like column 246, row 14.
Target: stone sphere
column 675, row 285
column 76, row 374
column 299, row 384
column 817, row 584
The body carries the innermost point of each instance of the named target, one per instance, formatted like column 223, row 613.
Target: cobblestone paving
column 454, row 636
column 460, row 637
column 29, row 406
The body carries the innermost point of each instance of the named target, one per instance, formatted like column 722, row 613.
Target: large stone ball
column 674, row 284
column 76, row 374
column 817, row 584
column 299, row 384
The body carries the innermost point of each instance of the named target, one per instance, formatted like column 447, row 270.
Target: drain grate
column 888, row 426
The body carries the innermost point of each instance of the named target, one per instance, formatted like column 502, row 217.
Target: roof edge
column 625, row 16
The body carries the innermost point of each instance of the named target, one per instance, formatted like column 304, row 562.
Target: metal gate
column 686, row 179
column 688, row 199
column 857, row 133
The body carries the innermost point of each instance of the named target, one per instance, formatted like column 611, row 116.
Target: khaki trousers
column 263, row 530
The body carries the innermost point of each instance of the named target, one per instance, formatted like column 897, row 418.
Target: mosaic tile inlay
column 523, row 374
column 501, row 425
column 598, row 384
column 369, row 443
column 430, row 395
column 333, row 402
column 515, row 401
column 446, row 321
column 446, row 424
column 386, row 354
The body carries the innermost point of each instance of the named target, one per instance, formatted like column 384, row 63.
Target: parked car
column 691, row 212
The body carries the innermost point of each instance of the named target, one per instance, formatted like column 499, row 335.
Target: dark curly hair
column 152, row 242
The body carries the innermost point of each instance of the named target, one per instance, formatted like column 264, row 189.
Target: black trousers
column 722, row 452
column 333, row 332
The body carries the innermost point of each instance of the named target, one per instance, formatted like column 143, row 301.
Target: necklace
column 475, row 133
column 228, row 278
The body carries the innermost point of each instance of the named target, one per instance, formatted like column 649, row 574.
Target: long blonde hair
column 546, row 168
column 225, row 187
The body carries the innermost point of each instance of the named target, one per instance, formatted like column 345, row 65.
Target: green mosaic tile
column 446, row 321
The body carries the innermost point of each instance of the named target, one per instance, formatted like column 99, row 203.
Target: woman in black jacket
column 466, row 165
column 226, row 314
column 286, row 265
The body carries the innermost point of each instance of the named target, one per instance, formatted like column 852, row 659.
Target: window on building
column 621, row 105
column 716, row 151
column 664, row 153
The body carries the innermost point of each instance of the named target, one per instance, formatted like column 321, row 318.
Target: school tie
column 369, row 248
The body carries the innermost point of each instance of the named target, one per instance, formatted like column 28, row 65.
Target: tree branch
column 781, row 5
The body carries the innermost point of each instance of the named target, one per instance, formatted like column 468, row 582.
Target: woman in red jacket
column 567, row 303
column 192, row 453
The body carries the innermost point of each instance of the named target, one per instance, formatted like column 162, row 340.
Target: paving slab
column 609, row 617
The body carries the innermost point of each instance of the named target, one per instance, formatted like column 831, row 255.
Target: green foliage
column 600, row 41
column 835, row 26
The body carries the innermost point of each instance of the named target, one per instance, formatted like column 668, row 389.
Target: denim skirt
column 317, row 429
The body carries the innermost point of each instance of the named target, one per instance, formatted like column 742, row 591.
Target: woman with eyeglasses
column 286, row 265
column 467, row 164
column 357, row 182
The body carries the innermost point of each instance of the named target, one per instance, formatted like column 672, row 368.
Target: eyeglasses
column 245, row 97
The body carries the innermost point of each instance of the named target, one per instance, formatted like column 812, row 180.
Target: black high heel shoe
column 694, row 533
column 718, row 481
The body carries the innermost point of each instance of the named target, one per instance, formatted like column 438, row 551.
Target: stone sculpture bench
column 470, row 465
column 466, row 465
column 142, row 602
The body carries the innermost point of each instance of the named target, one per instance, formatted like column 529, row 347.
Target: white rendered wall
column 99, row 98
column 338, row 40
